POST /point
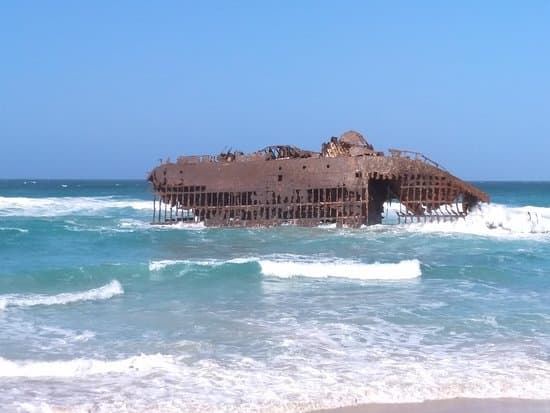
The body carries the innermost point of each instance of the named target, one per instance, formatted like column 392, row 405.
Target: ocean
column 102, row 312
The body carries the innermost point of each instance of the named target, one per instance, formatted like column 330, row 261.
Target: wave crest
column 162, row 264
column 286, row 266
column 14, row 229
column 101, row 293
column 407, row 269
column 60, row 206
column 84, row 367
column 495, row 220
column 210, row 385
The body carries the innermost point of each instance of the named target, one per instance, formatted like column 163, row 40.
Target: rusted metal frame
column 160, row 207
column 171, row 203
column 154, row 206
column 400, row 153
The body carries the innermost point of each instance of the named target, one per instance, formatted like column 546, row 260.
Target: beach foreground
column 458, row 405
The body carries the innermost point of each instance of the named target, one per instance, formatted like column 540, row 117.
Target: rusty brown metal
column 346, row 184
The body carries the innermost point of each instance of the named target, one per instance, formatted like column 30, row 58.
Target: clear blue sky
column 103, row 89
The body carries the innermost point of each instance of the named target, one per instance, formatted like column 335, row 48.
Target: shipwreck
column 347, row 183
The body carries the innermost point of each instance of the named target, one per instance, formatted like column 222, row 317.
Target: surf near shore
column 458, row 405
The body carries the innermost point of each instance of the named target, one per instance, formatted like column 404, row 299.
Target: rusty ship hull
column 346, row 184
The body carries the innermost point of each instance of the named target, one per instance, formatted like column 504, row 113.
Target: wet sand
column 451, row 406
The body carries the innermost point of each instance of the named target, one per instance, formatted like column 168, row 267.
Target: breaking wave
column 102, row 293
column 83, row 367
column 13, row 229
column 286, row 266
column 288, row 383
column 485, row 220
column 495, row 220
column 162, row 264
column 60, row 206
column 402, row 270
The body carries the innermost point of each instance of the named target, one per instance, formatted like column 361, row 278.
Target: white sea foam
column 393, row 208
column 288, row 265
column 21, row 300
column 59, row 335
column 133, row 224
column 13, row 229
column 100, row 229
column 286, row 383
column 189, row 226
column 495, row 220
column 327, row 226
column 84, row 367
column 162, row 264
column 308, row 365
column 60, row 206
column 484, row 220
column 402, row 270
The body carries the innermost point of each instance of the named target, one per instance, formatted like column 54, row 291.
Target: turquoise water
column 99, row 311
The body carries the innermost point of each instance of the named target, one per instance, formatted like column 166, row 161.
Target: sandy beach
column 451, row 406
